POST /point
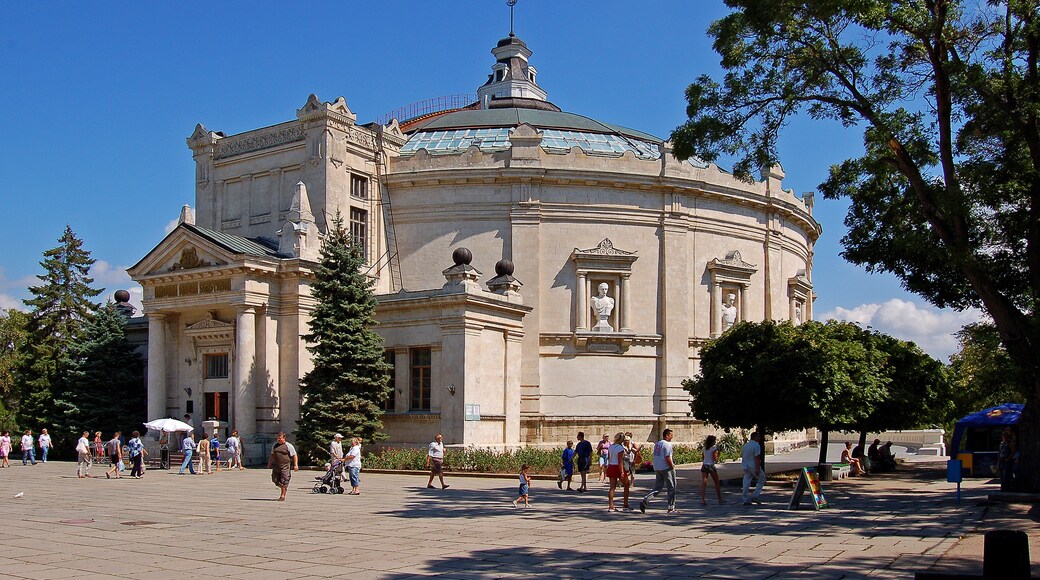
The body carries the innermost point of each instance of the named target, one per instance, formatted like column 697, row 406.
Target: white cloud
column 171, row 225
column 931, row 328
column 7, row 302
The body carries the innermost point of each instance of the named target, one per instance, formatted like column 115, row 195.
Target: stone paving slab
column 227, row 525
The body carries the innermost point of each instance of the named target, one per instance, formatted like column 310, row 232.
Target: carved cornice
column 731, row 268
column 231, row 146
column 605, row 248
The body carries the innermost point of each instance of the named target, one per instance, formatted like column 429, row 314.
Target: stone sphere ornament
column 462, row 256
column 504, row 267
column 122, row 296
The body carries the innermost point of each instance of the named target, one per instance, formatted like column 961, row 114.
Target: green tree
column 12, row 345
column 60, row 307
column 983, row 373
column 755, row 376
column 848, row 374
column 917, row 393
column 946, row 95
column 106, row 390
column 345, row 390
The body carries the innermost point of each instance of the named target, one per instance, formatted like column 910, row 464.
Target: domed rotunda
column 538, row 272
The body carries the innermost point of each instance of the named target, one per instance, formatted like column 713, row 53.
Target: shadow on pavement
column 565, row 563
column 859, row 508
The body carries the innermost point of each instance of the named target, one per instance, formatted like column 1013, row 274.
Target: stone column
column 716, row 309
column 625, row 314
column 743, row 303
column 245, row 356
column 582, row 307
column 156, row 366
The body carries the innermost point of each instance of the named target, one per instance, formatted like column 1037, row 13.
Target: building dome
column 489, row 129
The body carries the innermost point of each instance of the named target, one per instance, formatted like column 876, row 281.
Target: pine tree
column 106, row 389
column 345, row 390
column 60, row 308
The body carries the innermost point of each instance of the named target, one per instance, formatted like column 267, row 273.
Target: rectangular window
column 359, row 186
column 420, row 378
column 359, row 230
column 216, row 366
column 390, row 358
column 216, row 406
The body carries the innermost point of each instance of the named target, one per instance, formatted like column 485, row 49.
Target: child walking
column 567, row 469
column 525, row 486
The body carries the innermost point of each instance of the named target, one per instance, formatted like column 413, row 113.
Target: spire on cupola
column 512, row 76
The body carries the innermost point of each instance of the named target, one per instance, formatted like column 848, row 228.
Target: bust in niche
column 603, row 305
column 729, row 312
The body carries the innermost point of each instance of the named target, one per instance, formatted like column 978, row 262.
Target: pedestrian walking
column 83, row 460
column 234, row 450
column 567, row 469
column 435, row 461
column 114, row 448
column 45, row 443
column 137, row 453
column 282, row 463
column 98, row 448
column 632, row 458
column 751, row 463
column 709, row 469
column 525, row 486
column 602, row 450
column 28, row 452
column 336, row 453
column 214, row 451
column 188, row 447
column 583, row 451
column 204, row 458
column 5, row 448
column 664, row 472
column 616, row 473
column 353, row 459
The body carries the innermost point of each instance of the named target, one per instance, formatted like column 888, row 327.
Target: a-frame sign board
column 809, row 481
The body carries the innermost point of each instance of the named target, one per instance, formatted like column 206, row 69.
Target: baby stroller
column 332, row 481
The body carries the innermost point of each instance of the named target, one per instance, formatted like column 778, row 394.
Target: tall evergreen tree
column 60, row 308
column 345, row 390
column 105, row 389
column 12, row 345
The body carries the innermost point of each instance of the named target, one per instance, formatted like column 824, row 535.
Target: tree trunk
column 762, row 442
column 863, row 441
column 1028, row 479
column 823, row 445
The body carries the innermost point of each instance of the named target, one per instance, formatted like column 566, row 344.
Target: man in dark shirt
column 583, row 451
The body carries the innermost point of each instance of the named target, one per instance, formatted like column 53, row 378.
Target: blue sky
column 98, row 98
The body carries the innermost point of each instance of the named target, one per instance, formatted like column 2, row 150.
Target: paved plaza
column 227, row 525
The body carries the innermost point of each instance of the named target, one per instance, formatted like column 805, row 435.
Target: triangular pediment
column 181, row 251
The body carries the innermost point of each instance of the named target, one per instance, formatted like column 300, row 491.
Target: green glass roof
column 536, row 118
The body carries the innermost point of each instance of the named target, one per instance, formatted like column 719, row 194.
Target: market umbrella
column 169, row 426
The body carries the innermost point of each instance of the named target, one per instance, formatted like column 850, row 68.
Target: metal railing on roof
column 434, row 105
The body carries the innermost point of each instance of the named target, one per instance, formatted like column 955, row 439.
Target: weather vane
column 511, row 3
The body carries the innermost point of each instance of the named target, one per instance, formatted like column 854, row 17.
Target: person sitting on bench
column 856, row 464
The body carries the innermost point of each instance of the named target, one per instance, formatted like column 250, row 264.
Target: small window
column 390, row 358
column 217, row 366
column 359, row 186
column 359, row 230
column 420, row 378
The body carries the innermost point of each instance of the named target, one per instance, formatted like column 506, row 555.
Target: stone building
column 489, row 231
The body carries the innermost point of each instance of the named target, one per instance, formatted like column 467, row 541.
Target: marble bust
column 603, row 305
column 729, row 312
